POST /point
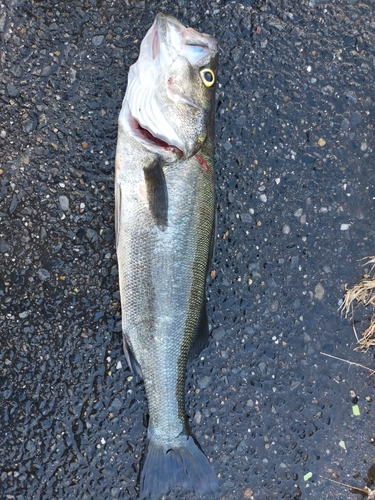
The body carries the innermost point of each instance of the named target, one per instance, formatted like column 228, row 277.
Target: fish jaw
column 175, row 38
column 166, row 105
column 169, row 152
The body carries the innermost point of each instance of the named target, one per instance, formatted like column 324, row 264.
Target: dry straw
column 363, row 292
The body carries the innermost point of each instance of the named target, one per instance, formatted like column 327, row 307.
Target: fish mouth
column 170, row 36
column 150, row 139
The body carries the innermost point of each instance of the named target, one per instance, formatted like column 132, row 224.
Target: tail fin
column 184, row 465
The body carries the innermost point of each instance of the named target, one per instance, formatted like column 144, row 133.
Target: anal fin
column 201, row 337
column 130, row 358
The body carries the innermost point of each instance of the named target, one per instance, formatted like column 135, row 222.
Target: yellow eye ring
column 208, row 77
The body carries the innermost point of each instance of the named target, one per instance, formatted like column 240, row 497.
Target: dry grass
column 370, row 493
column 362, row 293
column 349, row 362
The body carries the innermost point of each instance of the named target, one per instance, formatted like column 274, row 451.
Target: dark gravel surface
column 295, row 193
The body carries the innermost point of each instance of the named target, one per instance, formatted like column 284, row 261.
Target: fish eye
column 208, row 77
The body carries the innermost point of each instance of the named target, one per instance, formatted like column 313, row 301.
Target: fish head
column 170, row 95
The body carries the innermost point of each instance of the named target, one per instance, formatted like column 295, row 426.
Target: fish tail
column 182, row 465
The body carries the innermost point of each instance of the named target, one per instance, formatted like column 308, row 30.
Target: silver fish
column 165, row 206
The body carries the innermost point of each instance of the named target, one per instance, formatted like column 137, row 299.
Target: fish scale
column 165, row 206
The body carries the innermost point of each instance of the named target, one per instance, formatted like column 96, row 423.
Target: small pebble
column 12, row 90
column 198, row 417
column 204, row 382
column 270, row 353
column 245, row 217
column 328, row 90
column 4, row 247
column 248, row 493
column 274, row 306
column 43, row 274
column 99, row 314
column 262, row 367
column 286, row 229
column 97, row 40
column 218, row 333
column 29, row 125
column 321, row 142
column 263, row 198
column 344, row 227
column 241, row 120
column 64, row 203
column 236, row 54
column 351, row 98
column 319, row 291
column 355, row 119
column 296, row 304
column 3, row 134
column 345, row 125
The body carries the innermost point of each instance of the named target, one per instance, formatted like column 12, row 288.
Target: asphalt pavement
column 277, row 413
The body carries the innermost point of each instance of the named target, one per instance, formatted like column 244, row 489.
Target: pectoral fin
column 157, row 193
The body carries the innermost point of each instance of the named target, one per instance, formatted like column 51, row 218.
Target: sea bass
column 165, row 211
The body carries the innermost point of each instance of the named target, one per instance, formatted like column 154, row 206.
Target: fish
column 164, row 220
